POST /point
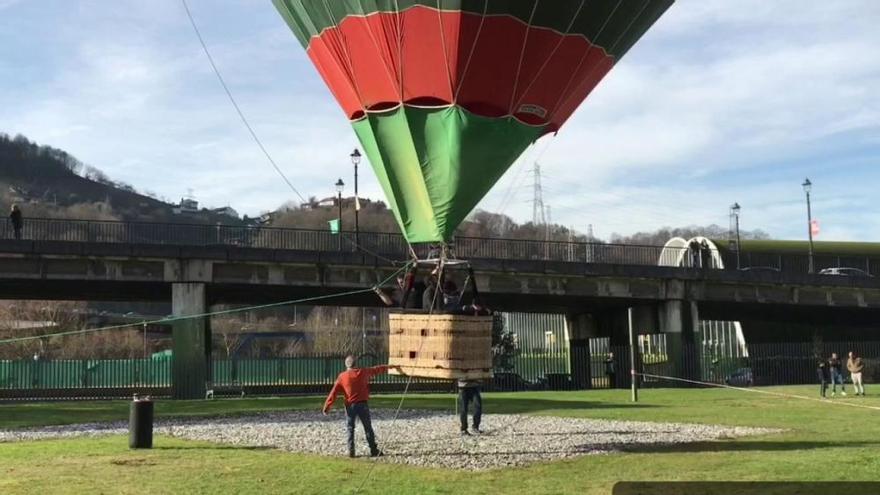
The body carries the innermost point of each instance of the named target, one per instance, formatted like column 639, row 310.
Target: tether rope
column 209, row 314
column 437, row 291
column 235, row 104
column 758, row 391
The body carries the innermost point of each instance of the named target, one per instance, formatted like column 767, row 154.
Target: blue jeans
column 360, row 410
column 837, row 377
column 465, row 396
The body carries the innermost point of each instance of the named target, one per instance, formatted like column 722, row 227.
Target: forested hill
column 49, row 182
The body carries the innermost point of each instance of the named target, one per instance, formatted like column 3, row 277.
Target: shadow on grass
column 514, row 405
column 213, row 447
column 739, row 446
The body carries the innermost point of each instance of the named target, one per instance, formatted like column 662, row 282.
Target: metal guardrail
column 385, row 244
column 392, row 245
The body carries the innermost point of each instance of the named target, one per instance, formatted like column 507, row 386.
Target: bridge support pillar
column 191, row 342
column 679, row 320
column 581, row 328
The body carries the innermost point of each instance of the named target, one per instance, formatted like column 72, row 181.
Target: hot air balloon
column 445, row 95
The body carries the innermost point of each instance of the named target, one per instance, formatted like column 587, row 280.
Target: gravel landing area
column 421, row 438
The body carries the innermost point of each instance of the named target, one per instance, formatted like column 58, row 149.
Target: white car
column 849, row 272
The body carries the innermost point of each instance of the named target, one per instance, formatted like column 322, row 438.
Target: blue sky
column 721, row 101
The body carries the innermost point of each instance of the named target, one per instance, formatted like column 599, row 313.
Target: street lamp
column 355, row 159
column 734, row 211
column 808, row 186
column 339, row 187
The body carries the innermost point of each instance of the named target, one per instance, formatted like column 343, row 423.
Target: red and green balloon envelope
column 445, row 95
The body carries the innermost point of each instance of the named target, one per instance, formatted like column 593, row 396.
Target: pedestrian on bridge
column 17, row 221
column 354, row 384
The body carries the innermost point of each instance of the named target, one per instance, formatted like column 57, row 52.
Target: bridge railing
column 387, row 244
column 393, row 245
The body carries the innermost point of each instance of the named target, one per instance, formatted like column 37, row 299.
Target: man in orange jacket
column 354, row 383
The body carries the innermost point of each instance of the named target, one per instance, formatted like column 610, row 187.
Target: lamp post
column 734, row 210
column 339, row 187
column 355, row 159
column 808, row 186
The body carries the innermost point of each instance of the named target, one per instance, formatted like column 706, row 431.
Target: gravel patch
column 421, row 438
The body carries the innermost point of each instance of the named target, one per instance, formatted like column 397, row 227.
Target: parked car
column 740, row 378
column 849, row 272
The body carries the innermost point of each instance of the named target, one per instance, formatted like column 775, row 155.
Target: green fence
column 109, row 373
column 154, row 373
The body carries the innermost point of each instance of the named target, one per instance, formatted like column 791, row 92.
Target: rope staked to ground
column 759, row 391
column 408, row 382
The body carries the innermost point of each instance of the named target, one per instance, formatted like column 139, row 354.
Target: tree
column 660, row 236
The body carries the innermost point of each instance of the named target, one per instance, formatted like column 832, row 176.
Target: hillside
column 50, row 183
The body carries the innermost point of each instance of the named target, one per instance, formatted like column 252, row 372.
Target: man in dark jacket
column 17, row 221
column 469, row 391
column 822, row 375
column 430, row 297
column 836, row 371
column 611, row 370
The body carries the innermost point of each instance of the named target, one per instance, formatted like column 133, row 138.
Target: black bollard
column 140, row 423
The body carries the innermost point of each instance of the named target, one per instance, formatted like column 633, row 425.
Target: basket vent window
column 424, row 332
column 412, row 354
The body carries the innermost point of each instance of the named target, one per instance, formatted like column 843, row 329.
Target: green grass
column 823, row 442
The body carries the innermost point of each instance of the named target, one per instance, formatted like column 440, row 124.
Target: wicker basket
column 441, row 346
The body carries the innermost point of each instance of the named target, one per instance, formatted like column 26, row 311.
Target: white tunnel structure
column 724, row 337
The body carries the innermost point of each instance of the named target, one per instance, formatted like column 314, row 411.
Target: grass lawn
column 823, row 442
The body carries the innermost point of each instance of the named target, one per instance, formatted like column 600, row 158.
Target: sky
column 721, row 101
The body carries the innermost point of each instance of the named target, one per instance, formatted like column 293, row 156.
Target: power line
column 235, row 104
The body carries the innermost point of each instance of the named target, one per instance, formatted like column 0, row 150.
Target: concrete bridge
column 594, row 295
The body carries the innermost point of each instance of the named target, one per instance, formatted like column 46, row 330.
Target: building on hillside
column 187, row 205
column 226, row 210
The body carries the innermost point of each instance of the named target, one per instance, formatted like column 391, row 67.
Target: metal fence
column 386, row 244
column 395, row 246
column 599, row 366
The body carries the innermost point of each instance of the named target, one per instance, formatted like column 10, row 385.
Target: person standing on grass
column 17, row 221
column 611, row 370
column 822, row 375
column 354, row 384
column 855, row 366
column 469, row 391
column 834, row 367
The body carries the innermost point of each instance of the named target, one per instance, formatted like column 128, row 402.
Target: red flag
column 814, row 227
